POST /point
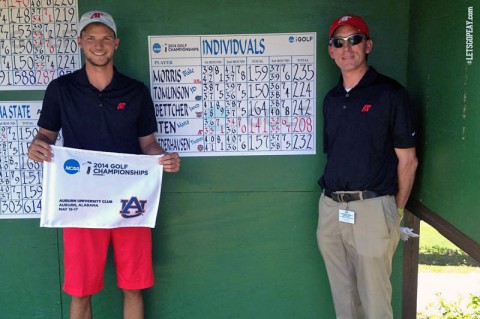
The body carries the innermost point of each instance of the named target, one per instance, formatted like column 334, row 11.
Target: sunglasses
column 353, row 39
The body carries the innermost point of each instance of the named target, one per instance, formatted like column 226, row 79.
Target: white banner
column 92, row 189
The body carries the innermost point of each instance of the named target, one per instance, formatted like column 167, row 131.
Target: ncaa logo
column 71, row 166
column 157, row 48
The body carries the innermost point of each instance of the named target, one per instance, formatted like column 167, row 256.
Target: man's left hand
column 170, row 162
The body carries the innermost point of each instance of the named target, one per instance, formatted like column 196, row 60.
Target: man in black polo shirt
column 369, row 139
column 98, row 108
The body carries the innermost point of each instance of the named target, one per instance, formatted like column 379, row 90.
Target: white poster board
column 38, row 42
column 20, row 178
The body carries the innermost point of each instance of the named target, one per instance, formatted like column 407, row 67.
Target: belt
column 342, row 197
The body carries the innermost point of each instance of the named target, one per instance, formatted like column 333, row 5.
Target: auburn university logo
column 132, row 207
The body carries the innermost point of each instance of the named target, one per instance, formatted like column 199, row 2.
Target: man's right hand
column 40, row 149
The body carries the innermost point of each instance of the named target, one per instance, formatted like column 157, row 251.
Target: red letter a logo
column 366, row 108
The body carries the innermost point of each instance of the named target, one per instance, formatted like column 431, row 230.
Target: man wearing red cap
column 98, row 108
column 369, row 139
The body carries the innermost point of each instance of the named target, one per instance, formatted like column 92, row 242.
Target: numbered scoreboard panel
column 20, row 178
column 38, row 42
column 221, row 95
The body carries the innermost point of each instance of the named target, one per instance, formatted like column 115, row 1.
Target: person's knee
column 81, row 300
column 81, row 307
column 132, row 293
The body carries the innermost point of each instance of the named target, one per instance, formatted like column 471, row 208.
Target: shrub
column 459, row 309
column 443, row 256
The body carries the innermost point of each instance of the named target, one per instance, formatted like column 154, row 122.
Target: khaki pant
column 358, row 257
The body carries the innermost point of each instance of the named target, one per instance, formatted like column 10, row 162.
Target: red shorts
column 85, row 256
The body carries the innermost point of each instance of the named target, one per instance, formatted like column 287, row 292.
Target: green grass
column 431, row 237
column 437, row 250
column 448, row 269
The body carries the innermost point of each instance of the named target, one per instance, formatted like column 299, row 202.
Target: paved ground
column 451, row 285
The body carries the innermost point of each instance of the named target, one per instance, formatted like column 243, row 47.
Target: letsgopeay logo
column 132, row 207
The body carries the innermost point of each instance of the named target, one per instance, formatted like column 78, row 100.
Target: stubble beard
column 97, row 63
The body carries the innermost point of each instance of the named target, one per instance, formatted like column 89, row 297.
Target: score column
column 303, row 103
column 280, row 103
column 258, row 106
column 213, row 85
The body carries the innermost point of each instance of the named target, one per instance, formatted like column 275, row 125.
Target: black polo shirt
column 111, row 120
column 361, row 129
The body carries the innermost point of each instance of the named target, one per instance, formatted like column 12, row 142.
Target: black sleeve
column 404, row 123
column 147, row 123
column 50, row 115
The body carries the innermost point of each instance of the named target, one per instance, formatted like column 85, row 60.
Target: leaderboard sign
column 220, row 95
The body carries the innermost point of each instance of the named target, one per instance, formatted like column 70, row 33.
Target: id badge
column 346, row 216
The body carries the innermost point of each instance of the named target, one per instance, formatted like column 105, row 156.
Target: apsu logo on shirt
column 132, row 207
column 366, row 108
column 96, row 15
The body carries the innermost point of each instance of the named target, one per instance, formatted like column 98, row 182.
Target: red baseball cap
column 355, row 22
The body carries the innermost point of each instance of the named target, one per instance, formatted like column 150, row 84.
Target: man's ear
column 369, row 46
column 330, row 51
